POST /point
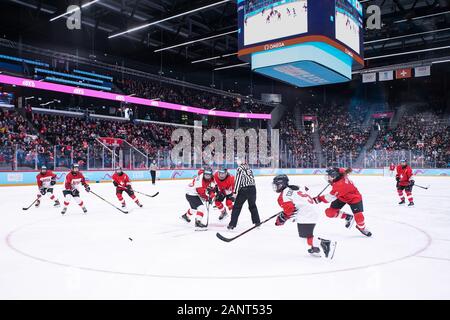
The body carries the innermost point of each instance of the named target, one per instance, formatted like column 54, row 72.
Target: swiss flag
column 403, row 73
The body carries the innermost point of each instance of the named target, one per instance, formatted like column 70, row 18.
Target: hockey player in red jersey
column 46, row 179
column 404, row 182
column 225, row 190
column 200, row 190
column 344, row 192
column 295, row 201
column 72, row 188
column 123, row 183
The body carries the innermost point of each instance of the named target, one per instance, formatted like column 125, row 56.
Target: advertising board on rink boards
column 18, row 178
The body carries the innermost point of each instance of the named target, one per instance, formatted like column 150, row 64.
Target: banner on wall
column 369, row 77
column 422, row 71
column 109, row 141
column 386, row 75
column 383, row 115
column 403, row 73
column 309, row 118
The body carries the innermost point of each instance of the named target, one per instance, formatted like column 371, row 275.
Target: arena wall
column 20, row 178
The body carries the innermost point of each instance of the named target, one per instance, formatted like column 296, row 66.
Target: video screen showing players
column 266, row 20
column 349, row 23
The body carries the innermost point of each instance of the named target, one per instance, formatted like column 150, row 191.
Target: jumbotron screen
column 264, row 23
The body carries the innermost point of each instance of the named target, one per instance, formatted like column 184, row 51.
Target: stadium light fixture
column 232, row 66
column 207, row 59
column 166, row 19
column 422, row 17
column 216, row 57
column 441, row 61
column 194, row 41
column 408, row 52
column 74, row 10
column 407, row 35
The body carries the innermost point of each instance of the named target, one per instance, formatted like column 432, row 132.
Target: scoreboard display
column 334, row 27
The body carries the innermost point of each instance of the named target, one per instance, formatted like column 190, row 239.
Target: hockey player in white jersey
column 295, row 201
column 200, row 190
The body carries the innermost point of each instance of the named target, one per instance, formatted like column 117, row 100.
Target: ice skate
column 364, row 231
column 57, row 204
column 124, row 205
column 328, row 248
column 185, row 218
column 223, row 214
column 200, row 226
column 314, row 251
column 38, row 203
column 401, row 202
column 64, row 210
column 84, row 209
column 411, row 204
column 349, row 221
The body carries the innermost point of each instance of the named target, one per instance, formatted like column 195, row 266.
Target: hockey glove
column 42, row 191
column 53, row 182
column 411, row 183
column 231, row 197
column 129, row 189
column 317, row 200
column 115, row 184
column 87, row 188
column 397, row 178
column 281, row 219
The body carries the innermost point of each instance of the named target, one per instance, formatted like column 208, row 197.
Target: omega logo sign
column 273, row 46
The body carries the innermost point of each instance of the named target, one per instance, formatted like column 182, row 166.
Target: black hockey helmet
column 280, row 182
column 43, row 169
column 223, row 173
column 75, row 167
column 119, row 170
column 334, row 174
column 207, row 173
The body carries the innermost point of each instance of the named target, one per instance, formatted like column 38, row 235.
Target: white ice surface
column 44, row 255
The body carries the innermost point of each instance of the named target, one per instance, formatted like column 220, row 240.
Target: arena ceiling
column 411, row 30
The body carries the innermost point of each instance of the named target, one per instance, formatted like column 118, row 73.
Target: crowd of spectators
column 342, row 134
column 18, row 146
column 56, row 139
column 425, row 134
column 185, row 96
column 300, row 149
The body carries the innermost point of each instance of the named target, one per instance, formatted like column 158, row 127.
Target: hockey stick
column 123, row 211
column 207, row 205
column 148, row 195
column 426, row 188
column 221, row 237
column 31, row 204
column 323, row 190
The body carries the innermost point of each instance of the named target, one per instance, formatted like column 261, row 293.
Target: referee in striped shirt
column 245, row 190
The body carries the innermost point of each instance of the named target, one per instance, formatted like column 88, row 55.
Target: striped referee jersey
column 244, row 177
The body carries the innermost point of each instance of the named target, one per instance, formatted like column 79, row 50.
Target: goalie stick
column 221, row 237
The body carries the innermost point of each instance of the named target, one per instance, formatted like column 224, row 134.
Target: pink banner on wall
column 22, row 82
column 309, row 118
column 383, row 115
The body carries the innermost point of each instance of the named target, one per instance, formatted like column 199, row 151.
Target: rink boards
column 8, row 178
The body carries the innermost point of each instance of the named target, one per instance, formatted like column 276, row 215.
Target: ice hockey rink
column 44, row 255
